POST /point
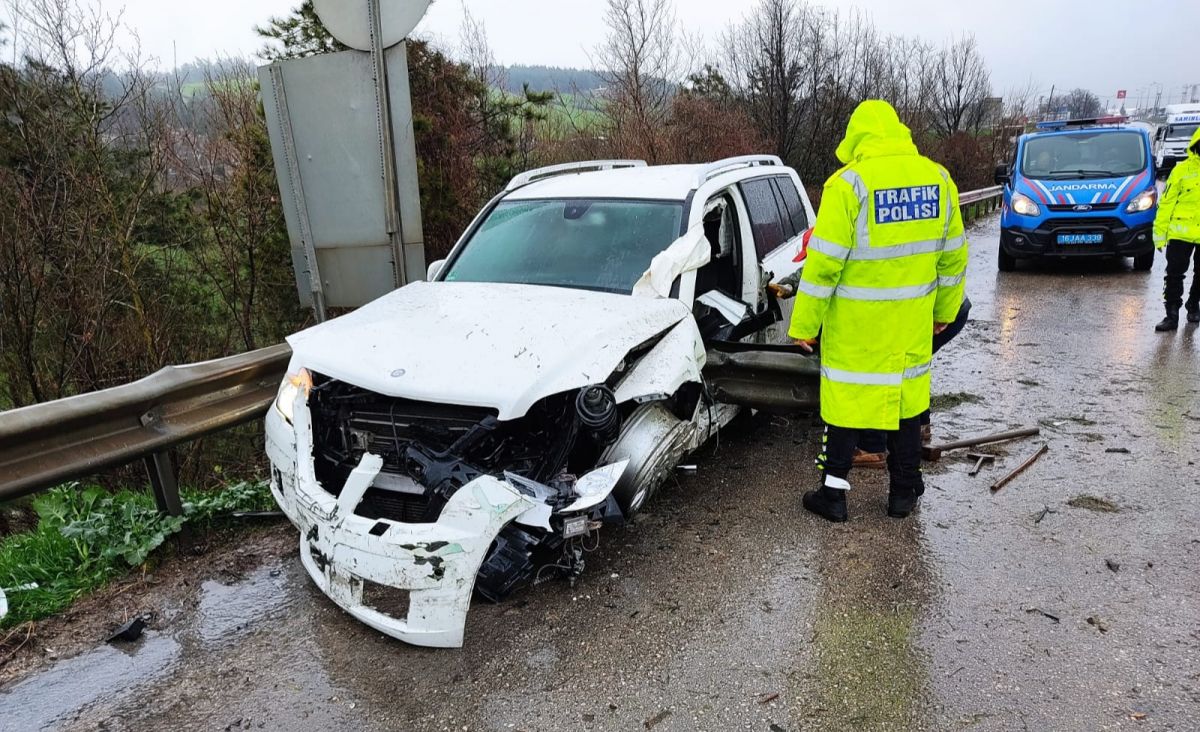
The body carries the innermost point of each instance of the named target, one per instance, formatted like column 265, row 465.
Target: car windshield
column 1181, row 132
column 602, row 245
column 1084, row 155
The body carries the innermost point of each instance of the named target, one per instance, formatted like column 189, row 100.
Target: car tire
column 653, row 440
column 1005, row 261
column 1143, row 262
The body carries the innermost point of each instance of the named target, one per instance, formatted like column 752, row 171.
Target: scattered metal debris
column 933, row 453
column 1046, row 510
column 1098, row 624
column 1020, row 469
column 768, row 698
column 1113, row 565
column 1118, row 450
column 1039, row 611
column 980, row 459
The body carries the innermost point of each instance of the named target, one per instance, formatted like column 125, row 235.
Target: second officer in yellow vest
column 885, row 268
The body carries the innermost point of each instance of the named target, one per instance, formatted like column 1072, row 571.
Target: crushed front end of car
column 406, row 507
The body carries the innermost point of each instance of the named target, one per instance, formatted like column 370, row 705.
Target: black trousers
column 904, row 454
column 1179, row 253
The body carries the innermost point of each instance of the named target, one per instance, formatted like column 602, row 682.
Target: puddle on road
column 108, row 673
column 227, row 610
column 104, row 674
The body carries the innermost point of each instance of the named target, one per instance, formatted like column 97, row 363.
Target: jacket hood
column 875, row 129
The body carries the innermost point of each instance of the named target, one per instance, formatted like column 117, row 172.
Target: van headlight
column 1024, row 205
column 293, row 385
column 1143, row 202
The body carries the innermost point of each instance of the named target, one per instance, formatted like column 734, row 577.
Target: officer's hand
column 806, row 344
column 938, row 328
column 781, row 292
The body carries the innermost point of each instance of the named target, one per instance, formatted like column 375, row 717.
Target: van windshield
column 589, row 244
column 1101, row 154
column 1181, row 132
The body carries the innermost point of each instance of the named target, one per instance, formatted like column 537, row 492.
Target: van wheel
column 1143, row 262
column 1005, row 261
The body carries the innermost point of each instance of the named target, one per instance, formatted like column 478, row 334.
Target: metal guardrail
column 46, row 444
column 980, row 203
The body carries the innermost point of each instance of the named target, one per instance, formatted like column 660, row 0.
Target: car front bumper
column 349, row 556
column 1120, row 240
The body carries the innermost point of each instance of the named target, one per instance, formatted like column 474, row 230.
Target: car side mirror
column 1001, row 175
column 435, row 269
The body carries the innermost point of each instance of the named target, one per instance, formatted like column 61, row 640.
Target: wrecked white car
column 596, row 323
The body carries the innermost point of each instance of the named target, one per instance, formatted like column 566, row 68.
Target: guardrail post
column 166, row 486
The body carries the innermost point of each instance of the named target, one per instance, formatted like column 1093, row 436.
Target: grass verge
column 86, row 537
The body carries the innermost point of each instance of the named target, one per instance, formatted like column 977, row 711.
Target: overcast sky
column 1102, row 45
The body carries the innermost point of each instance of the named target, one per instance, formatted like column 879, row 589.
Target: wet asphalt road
column 724, row 607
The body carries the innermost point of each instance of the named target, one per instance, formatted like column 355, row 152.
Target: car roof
column 656, row 182
column 1085, row 131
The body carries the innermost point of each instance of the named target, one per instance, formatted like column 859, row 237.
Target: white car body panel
column 483, row 344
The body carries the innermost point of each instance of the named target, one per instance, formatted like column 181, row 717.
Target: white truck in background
column 1171, row 139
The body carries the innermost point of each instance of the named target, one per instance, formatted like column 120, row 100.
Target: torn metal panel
column 675, row 360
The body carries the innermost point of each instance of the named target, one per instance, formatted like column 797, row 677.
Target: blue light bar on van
column 1062, row 124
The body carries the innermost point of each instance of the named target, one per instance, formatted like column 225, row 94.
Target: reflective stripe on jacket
column 1178, row 214
column 886, row 260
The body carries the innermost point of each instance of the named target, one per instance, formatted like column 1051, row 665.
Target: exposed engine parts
column 431, row 451
column 597, row 410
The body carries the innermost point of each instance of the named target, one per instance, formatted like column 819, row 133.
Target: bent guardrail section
column 46, row 444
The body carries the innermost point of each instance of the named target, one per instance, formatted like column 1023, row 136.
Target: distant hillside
column 551, row 78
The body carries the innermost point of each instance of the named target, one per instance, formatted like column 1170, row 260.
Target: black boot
column 1193, row 315
column 1171, row 322
column 828, row 503
column 901, row 503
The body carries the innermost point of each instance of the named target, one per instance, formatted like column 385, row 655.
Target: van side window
column 792, row 204
column 765, row 220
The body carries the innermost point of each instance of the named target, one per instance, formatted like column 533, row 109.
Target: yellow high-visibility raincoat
column 886, row 260
column 1178, row 214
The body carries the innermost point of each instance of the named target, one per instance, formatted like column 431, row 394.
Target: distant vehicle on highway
column 1079, row 188
column 1172, row 137
column 597, row 322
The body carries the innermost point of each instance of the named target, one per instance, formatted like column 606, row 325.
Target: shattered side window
column 588, row 244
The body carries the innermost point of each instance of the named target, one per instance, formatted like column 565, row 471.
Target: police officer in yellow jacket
column 1177, row 228
column 885, row 270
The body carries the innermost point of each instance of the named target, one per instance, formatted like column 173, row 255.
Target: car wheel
column 1005, row 261
column 1143, row 262
column 653, row 440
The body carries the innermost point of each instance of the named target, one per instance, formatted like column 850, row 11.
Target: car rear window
column 603, row 245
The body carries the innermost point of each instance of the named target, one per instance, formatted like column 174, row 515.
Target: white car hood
column 483, row 344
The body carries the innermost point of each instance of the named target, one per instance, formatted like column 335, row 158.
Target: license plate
column 1081, row 238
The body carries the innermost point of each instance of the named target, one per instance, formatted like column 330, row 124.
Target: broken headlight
column 294, row 384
